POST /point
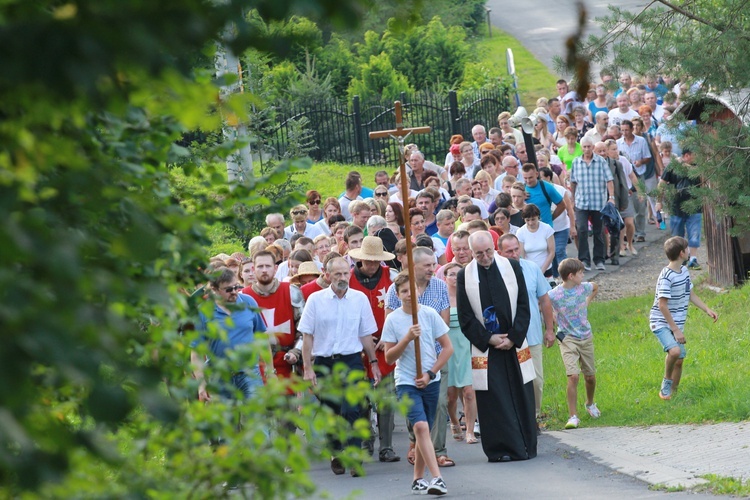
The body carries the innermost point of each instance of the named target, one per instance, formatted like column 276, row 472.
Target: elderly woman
column 430, row 179
column 537, row 239
column 394, row 216
column 580, row 122
column 314, row 212
column 635, row 95
column 331, row 207
column 322, row 247
column 650, row 124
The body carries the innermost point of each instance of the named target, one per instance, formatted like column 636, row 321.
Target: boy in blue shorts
column 674, row 292
column 570, row 302
column 398, row 338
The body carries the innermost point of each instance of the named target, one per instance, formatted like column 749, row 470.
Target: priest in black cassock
column 501, row 362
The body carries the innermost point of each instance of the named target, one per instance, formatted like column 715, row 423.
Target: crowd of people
column 490, row 232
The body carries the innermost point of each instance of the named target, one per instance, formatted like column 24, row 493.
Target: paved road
column 558, row 472
column 542, row 26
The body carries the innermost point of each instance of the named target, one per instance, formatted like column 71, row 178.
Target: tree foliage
column 379, row 78
column 704, row 43
column 96, row 250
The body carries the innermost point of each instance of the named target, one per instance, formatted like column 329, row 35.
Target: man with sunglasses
column 235, row 314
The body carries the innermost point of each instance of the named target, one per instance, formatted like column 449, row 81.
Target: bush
column 378, row 78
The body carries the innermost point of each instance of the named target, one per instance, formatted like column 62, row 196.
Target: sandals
column 444, row 461
column 458, row 434
column 411, row 456
column 471, row 440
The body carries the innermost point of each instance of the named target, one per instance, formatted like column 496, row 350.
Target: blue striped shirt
column 675, row 287
column 591, row 182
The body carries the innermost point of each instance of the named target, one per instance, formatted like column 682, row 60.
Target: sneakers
column 587, row 266
column 437, row 487
column 666, row 389
column 477, row 431
column 572, row 422
column 693, row 265
column 593, row 410
column 600, row 266
column 419, row 487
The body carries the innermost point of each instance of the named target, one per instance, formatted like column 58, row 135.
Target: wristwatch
column 373, row 361
column 431, row 374
column 611, row 197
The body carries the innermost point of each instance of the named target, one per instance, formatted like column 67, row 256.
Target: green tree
column 705, row 44
column 95, row 252
column 379, row 79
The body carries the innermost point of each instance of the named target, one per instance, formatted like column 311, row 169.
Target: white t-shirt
column 562, row 222
column 627, row 169
column 397, row 324
column 344, row 202
column 616, row 117
column 535, row 244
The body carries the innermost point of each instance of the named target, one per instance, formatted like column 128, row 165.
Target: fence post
column 360, row 144
column 453, row 110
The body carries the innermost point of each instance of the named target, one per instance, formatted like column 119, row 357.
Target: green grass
column 534, row 79
column 719, row 485
column 630, row 366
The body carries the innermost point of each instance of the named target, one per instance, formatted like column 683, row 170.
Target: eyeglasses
column 314, row 202
column 231, row 289
column 381, row 194
column 299, row 212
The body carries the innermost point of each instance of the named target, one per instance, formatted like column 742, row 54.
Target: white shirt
column 490, row 196
column 322, row 226
column 337, row 324
column 562, row 222
column 658, row 113
column 535, row 244
column 616, row 117
column 344, row 203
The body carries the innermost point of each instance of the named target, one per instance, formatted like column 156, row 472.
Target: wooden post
column 399, row 134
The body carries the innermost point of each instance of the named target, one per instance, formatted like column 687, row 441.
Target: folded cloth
column 612, row 219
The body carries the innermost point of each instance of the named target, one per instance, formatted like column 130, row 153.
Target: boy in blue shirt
column 674, row 292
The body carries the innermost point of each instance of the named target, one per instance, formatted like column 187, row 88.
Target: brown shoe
column 337, row 467
column 357, row 471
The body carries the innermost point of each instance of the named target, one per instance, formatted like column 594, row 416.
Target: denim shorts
column 423, row 402
column 690, row 224
column 666, row 337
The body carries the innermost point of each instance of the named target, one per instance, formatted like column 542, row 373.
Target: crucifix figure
column 400, row 134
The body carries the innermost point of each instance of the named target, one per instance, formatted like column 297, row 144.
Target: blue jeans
column 561, row 249
column 680, row 224
column 667, row 341
column 247, row 382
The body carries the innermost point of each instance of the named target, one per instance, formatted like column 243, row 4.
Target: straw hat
column 371, row 249
column 308, row 268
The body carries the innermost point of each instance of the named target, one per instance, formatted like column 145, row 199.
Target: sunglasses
column 381, row 194
column 299, row 212
column 314, row 202
column 231, row 289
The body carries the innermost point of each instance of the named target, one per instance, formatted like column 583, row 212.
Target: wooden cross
column 400, row 134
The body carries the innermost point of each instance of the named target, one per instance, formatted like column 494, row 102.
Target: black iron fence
column 339, row 130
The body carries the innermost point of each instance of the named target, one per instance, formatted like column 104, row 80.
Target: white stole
column 479, row 359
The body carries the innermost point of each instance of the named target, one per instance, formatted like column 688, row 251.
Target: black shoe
column 389, row 455
column 355, row 471
column 615, row 261
column 337, row 467
column 504, row 458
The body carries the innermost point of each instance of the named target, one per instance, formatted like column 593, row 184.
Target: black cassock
column 506, row 410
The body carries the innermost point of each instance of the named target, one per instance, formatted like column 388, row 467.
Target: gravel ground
column 636, row 275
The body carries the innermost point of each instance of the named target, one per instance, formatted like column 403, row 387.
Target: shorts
column 667, row 340
column 424, row 402
column 577, row 352
column 690, row 224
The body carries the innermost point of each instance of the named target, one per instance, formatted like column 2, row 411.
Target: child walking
column 398, row 338
column 674, row 292
column 570, row 303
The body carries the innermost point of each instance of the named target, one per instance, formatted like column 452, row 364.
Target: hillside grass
column 535, row 80
column 630, row 366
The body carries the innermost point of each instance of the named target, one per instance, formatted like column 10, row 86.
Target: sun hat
column 308, row 268
column 371, row 249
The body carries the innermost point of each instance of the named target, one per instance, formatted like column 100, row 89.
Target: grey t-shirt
column 397, row 324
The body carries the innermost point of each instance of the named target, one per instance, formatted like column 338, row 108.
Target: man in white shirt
column 479, row 133
column 337, row 325
column 622, row 112
column 600, row 129
column 657, row 110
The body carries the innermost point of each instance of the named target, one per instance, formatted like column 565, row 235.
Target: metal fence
column 340, row 129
